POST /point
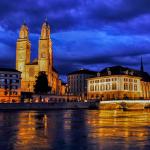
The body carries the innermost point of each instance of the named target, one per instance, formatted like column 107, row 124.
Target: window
column 135, row 81
column 96, row 81
column 107, row 86
column 102, row 87
column 135, row 87
column 96, row 88
column 114, row 86
column 114, row 79
column 130, row 80
column 130, row 87
column 7, row 81
column 107, row 80
column 125, row 86
column 14, row 81
column 5, row 92
column 2, row 80
column 2, row 75
column 91, row 82
column 92, row 88
column 125, row 79
column 15, row 75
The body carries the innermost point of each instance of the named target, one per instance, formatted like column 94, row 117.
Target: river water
column 75, row 130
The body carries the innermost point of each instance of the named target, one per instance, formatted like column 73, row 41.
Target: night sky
column 89, row 34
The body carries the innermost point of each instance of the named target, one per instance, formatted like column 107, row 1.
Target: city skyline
column 89, row 34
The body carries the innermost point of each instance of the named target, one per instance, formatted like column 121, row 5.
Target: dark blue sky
column 85, row 33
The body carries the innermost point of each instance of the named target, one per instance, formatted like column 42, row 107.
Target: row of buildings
column 110, row 83
column 115, row 82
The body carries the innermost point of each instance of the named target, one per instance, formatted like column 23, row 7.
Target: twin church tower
column 44, row 62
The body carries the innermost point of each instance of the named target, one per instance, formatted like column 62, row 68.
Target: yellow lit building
column 44, row 62
column 119, row 83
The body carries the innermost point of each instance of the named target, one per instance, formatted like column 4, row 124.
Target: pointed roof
column 46, row 22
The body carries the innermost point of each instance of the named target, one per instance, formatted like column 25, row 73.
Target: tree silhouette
column 41, row 84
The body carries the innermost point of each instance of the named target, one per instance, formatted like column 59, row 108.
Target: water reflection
column 71, row 130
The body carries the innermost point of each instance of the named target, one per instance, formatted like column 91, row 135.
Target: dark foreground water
column 75, row 130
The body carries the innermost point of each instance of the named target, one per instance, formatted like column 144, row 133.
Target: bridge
column 125, row 104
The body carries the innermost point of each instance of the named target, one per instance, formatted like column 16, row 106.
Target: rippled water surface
column 75, row 130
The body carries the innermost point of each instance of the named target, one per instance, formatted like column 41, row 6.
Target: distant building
column 77, row 83
column 10, row 84
column 119, row 83
column 61, row 88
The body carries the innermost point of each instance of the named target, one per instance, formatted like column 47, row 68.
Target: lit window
column 102, row 87
column 97, row 81
column 135, row 87
column 114, row 86
column 125, row 86
column 96, row 88
column 91, row 88
column 108, row 87
column 107, row 80
column 135, row 81
column 125, row 79
column 130, row 87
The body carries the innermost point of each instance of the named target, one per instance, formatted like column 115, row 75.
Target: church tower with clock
column 44, row 62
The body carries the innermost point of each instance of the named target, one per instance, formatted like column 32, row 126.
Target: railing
column 128, row 101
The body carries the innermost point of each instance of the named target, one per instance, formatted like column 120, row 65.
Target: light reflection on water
column 72, row 129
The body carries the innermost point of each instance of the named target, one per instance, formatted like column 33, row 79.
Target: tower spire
column 24, row 22
column 46, row 19
column 142, row 67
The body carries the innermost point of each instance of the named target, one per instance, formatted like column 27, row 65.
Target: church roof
column 120, row 70
column 83, row 71
column 35, row 61
column 54, row 70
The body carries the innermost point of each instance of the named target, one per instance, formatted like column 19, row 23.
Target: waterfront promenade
column 86, row 104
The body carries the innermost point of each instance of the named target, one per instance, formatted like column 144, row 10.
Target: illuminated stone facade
column 44, row 62
column 77, row 83
column 119, row 83
column 10, row 84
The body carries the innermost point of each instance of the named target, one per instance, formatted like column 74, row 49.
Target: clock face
column 20, row 47
column 43, row 55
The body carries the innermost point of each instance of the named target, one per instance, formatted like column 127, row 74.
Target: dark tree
column 41, row 84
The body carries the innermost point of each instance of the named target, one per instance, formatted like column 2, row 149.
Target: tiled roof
column 120, row 70
column 9, row 69
column 83, row 71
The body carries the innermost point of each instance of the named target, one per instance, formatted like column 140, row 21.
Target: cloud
column 93, row 48
column 85, row 34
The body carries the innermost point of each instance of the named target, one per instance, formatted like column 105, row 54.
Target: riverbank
column 103, row 105
column 49, row 106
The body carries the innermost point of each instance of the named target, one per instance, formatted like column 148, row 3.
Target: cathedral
column 44, row 62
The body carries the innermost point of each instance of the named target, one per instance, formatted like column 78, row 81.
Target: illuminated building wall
column 44, row 62
column 10, row 83
column 77, row 83
column 119, row 83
